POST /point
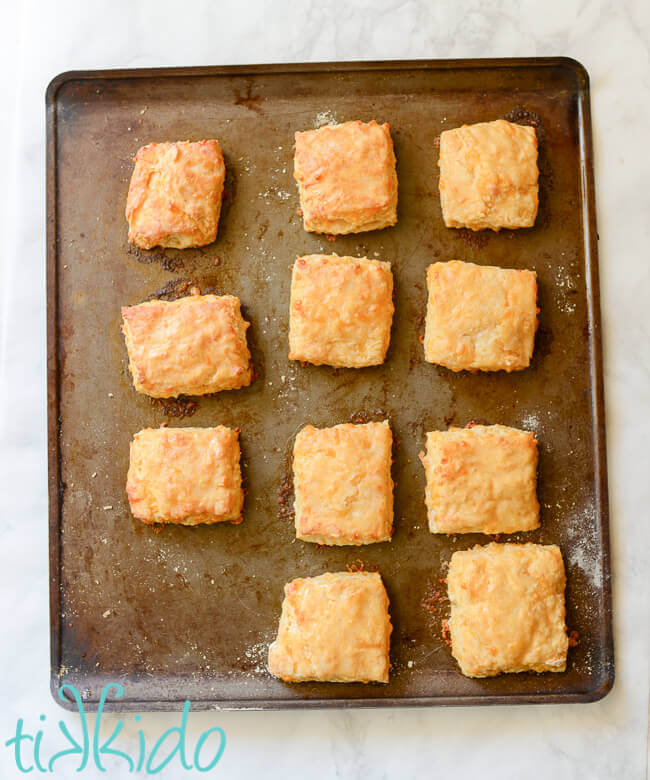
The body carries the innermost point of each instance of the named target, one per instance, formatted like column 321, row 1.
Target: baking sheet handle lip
column 229, row 705
column 569, row 63
column 596, row 369
column 54, row 472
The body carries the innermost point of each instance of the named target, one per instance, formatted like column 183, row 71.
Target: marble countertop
column 607, row 739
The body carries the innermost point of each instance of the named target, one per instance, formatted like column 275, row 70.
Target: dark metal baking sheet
column 188, row 612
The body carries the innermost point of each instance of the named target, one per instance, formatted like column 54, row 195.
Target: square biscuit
column 342, row 483
column 185, row 476
column 480, row 318
column 481, row 479
column 333, row 628
column 346, row 177
column 175, row 193
column 193, row 346
column 488, row 176
column 341, row 311
column 507, row 609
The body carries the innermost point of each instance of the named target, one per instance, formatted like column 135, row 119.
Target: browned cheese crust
column 488, row 176
column 341, row 311
column 193, row 346
column 175, row 193
column 185, row 476
column 333, row 628
column 507, row 609
column 480, row 318
column 343, row 485
column 346, row 177
column 481, row 479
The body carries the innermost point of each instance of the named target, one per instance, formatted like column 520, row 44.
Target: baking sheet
column 178, row 613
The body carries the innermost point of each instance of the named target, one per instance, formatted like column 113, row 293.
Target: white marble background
column 612, row 39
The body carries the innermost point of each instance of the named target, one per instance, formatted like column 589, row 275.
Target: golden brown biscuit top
column 341, row 310
column 480, row 317
column 185, row 475
column 343, row 485
column 194, row 345
column 346, row 175
column 175, row 192
column 507, row 609
column 333, row 627
column 481, row 479
column 488, row 175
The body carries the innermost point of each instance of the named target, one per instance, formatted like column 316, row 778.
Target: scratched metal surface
column 188, row 612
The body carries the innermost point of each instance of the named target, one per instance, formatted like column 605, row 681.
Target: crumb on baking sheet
column 324, row 118
column 433, row 598
column 358, row 566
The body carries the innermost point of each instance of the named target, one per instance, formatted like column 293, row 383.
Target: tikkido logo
column 90, row 748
